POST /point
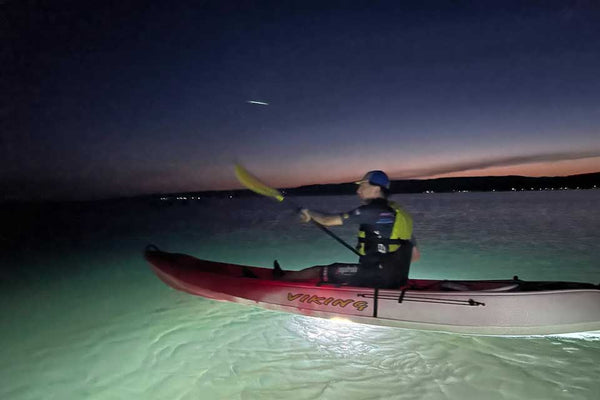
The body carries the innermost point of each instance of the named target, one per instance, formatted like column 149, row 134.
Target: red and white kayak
column 502, row 307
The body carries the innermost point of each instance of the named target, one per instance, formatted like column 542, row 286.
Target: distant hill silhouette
column 439, row 185
column 471, row 184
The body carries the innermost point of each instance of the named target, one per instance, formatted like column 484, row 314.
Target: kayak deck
column 186, row 262
column 489, row 307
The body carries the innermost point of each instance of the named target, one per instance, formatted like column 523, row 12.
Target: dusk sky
column 103, row 99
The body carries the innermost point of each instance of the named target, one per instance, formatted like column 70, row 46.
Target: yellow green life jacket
column 402, row 231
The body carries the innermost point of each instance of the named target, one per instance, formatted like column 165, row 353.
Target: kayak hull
column 509, row 307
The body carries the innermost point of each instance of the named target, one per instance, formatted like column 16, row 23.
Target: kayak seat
column 503, row 288
column 454, row 286
column 459, row 287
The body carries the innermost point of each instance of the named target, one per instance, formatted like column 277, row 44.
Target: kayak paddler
column 386, row 243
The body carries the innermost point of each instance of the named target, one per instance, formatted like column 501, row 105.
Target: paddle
column 254, row 184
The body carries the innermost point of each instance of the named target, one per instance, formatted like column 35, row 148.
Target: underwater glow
column 338, row 335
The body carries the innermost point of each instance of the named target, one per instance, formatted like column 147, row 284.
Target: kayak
column 488, row 307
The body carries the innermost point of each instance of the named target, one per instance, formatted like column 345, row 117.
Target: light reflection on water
column 342, row 337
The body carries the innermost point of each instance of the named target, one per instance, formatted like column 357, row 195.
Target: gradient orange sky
column 165, row 98
column 553, row 168
column 309, row 175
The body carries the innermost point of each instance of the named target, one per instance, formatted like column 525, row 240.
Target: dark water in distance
column 474, row 235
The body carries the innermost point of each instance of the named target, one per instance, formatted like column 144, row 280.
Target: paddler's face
column 366, row 191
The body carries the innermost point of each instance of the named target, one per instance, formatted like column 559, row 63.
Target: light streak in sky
column 260, row 103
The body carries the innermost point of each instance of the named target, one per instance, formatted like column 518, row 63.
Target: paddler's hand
column 304, row 215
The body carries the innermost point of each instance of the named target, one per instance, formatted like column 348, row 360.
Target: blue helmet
column 377, row 178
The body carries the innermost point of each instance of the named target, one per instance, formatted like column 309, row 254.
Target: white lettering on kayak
column 314, row 299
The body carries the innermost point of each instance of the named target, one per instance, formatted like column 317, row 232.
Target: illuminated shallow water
column 82, row 316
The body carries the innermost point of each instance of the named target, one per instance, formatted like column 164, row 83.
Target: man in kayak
column 385, row 240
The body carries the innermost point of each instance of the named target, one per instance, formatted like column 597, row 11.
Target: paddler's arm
column 323, row 219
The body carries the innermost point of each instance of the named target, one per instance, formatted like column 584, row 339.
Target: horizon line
column 243, row 189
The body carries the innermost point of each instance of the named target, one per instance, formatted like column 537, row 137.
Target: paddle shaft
column 324, row 229
column 333, row 235
column 254, row 184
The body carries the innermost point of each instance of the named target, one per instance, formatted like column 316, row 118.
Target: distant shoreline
column 468, row 184
column 437, row 185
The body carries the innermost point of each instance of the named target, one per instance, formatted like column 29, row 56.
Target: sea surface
column 82, row 316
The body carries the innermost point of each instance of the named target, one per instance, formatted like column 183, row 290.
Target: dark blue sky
column 106, row 98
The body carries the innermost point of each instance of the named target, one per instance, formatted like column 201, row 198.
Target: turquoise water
column 83, row 317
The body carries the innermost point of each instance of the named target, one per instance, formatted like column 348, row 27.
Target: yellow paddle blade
column 252, row 183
